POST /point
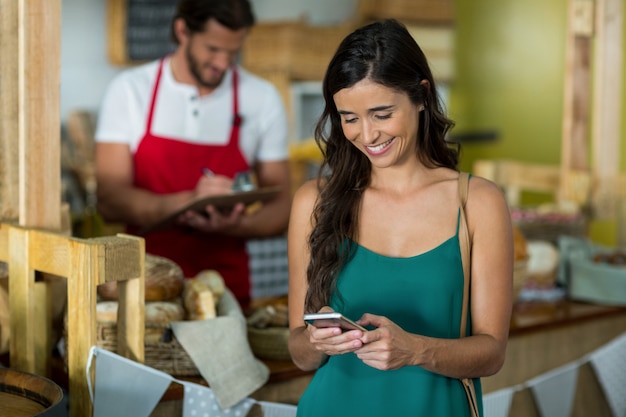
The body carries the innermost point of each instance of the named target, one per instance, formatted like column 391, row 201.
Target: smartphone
column 332, row 319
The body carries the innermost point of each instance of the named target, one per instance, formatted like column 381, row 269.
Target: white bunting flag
column 609, row 364
column 498, row 403
column 200, row 401
column 554, row 391
column 278, row 410
column 124, row 387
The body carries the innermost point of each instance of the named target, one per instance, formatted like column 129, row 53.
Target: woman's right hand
column 334, row 340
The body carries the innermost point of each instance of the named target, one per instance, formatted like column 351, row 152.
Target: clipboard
column 221, row 201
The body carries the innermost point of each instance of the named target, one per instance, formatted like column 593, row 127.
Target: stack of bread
column 168, row 297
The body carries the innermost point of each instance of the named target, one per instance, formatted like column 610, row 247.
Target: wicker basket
column 166, row 355
column 549, row 227
column 520, row 276
column 269, row 343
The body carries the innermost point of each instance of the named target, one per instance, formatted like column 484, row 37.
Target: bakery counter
column 543, row 337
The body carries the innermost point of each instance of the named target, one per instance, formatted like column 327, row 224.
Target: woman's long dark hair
column 386, row 53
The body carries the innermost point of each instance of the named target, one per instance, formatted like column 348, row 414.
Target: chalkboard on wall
column 139, row 30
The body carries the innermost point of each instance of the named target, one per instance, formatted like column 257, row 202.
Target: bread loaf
column 164, row 280
column 199, row 300
column 543, row 262
column 156, row 312
column 158, row 315
column 106, row 312
column 214, row 281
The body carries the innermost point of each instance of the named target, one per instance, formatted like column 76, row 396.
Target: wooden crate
column 316, row 48
column 292, row 47
column 270, row 47
column 437, row 43
column 517, row 176
column 424, row 11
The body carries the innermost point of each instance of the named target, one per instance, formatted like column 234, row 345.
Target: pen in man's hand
column 208, row 173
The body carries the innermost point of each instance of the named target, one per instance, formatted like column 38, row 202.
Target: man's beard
column 195, row 69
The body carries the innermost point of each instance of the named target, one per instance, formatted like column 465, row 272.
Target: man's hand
column 214, row 220
column 212, row 185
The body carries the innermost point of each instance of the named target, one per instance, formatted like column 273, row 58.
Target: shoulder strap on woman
column 464, row 242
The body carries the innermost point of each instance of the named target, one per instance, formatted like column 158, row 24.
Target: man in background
column 180, row 128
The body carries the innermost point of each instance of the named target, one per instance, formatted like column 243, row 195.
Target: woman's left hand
column 388, row 346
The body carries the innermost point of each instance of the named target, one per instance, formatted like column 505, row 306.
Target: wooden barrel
column 24, row 395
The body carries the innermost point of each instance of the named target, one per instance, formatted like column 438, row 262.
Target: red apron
column 167, row 165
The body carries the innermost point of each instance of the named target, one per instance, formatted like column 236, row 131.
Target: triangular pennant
column 200, row 401
column 124, row 387
column 554, row 391
column 609, row 364
column 498, row 403
column 271, row 409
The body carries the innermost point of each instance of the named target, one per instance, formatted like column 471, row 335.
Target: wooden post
column 30, row 76
column 9, row 146
column 592, row 107
column 39, row 80
column 607, row 107
column 577, row 93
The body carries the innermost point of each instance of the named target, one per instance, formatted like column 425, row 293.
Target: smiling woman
column 377, row 238
column 374, row 128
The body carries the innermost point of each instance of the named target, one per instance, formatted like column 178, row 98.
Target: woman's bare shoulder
column 479, row 186
column 486, row 198
column 306, row 195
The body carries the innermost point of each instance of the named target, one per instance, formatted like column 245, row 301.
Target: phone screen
column 332, row 319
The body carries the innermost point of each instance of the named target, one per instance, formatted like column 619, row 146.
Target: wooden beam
column 9, row 146
column 577, row 91
column 30, row 173
column 607, row 108
column 592, row 105
column 39, row 131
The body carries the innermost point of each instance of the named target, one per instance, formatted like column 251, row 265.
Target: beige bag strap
column 464, row 242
